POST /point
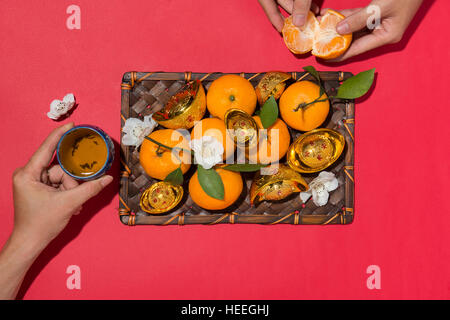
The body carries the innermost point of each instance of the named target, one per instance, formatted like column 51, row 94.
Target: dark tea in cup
column 85, row 152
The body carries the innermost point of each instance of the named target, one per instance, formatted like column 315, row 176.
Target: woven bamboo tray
column 146, row 92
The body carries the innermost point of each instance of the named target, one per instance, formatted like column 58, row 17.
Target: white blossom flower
column 136, row 130
column 59, row 108
column 208, row 151
column 319, row 188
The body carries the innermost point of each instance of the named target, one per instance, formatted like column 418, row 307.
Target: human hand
column 395, row 17
column 46, row 198
column 298, row 8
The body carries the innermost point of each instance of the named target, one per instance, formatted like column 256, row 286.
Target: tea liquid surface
column 83, row 153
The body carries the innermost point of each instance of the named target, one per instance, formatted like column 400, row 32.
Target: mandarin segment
column 328, row 43
column 321, row 38
column 300, row 40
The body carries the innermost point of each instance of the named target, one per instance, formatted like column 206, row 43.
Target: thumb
column 79, row 195
column 300, row 12
column 353, row 23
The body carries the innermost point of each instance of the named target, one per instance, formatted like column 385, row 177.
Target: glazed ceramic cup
column 85, row 152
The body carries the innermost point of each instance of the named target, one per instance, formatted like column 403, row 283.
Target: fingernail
column 343, row 28
column 106, row 180
column 299, row 20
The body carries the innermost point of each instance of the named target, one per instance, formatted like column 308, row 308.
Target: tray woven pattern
column 144, row 93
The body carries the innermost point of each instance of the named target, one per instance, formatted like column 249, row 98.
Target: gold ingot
column 241, row 127
column 272, row 187
column 183, row 108
column 315, row 150
column 161, row 197
column 271, row 84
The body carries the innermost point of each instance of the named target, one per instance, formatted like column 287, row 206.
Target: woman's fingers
column 57, row 175
column 356, row 23
column 298, row 8
column 41, row 158
column 300, row 12
column 315, row 8
column 79, row 195
column 345, row 12
column 287, row 5
column 270, row 7
column 349, row 12
column 353, row 22
column 365, row 43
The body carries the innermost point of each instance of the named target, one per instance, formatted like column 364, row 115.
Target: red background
column 402, row 208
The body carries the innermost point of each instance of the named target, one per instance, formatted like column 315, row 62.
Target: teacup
column 85, row 152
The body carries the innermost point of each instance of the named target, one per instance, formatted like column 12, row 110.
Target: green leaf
column 211, row 182
column 356, row 86
column 175, row 177
column 244, row 167
column 311, row 70
column 269, row 112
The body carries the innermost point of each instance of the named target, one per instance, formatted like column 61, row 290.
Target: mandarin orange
column 214, row 127
column 276, row 137
column 303, row 118
column 230, row 91
column 158, row 161
column 233, row 185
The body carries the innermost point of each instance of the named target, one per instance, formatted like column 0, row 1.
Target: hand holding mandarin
column 394, row 18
